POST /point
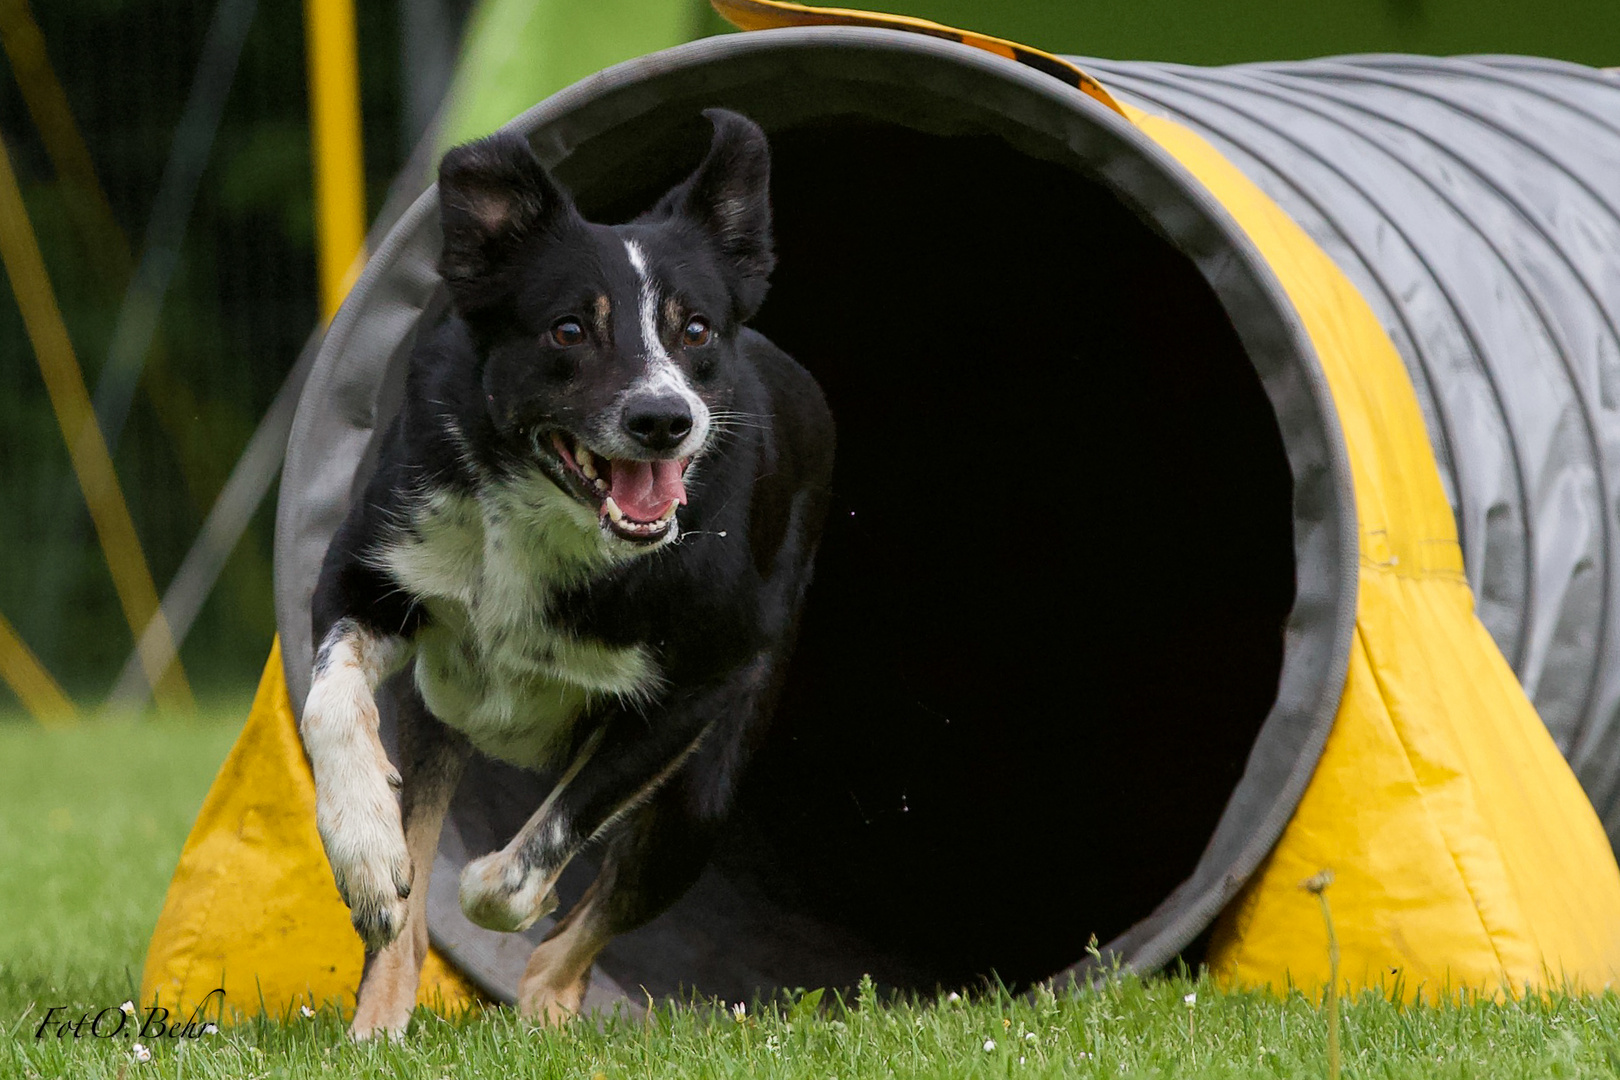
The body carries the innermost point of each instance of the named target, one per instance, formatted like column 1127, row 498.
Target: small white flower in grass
column 307, row 1012
column 1029, row 1036
column 1020, row 1059
column 210, row 1029
column 739, row 1012
column 989, row 1045
column 142, row 1054
column 127, row 1008
column 1190, row 1000
column 953, row 997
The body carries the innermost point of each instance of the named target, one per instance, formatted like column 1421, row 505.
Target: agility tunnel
column 1226, row 481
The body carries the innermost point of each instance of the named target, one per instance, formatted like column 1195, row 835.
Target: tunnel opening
column 1083, row 608
column 1048, row 613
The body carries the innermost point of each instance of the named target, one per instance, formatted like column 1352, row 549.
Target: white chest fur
column 490, row 663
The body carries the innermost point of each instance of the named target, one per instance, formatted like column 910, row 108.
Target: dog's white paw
column 360, row 828
column 500, row 892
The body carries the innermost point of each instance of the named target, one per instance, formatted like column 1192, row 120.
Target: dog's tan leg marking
column 356, row 810
column 388, row 987
column 559, row 970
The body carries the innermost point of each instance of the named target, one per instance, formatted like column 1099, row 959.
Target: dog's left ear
column 729, row 198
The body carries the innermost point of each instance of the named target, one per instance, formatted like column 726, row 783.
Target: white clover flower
column 1029, row 1036
column 1190, row 1000
column 989, row 1045
column 127, row 1008
column 307, row 1012
column 142, row 1054
column 953, row 997
column 210, row 1029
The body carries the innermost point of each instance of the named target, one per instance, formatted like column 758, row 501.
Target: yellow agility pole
column 102, row 237
column 340, row 187
column 42, row 92
column 132, row 579
column 32, row 684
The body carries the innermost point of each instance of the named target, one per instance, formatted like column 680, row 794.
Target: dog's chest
column 490, row 662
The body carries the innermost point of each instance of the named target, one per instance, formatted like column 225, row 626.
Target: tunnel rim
column 335, row 424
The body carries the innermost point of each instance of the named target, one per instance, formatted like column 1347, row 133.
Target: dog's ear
column 729, row 198
column 493, row 196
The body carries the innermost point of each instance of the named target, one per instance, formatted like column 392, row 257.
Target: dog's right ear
column 493, row 196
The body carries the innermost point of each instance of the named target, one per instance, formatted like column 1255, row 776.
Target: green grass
column 92, row 819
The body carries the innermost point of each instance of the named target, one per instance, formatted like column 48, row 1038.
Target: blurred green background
column 244, row 293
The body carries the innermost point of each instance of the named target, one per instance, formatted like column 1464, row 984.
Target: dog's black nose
column 658, row 423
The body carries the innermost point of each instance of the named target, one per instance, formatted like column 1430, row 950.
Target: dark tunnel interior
column 1047, row 620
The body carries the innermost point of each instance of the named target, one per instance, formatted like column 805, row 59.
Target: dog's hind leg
column 559, row 970
column 651, row 861
column 432, row 760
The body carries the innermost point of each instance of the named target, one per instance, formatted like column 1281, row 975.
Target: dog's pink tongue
column 644, row 489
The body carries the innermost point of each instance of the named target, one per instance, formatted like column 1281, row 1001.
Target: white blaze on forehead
column 638, row 260
column 647, row 306
column 663, row 375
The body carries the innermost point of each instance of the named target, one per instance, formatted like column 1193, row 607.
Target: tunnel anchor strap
column 770, row 14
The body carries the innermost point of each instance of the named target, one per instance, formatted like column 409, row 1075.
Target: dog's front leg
column 432, row 758
column 356, row 810
column 511, row 888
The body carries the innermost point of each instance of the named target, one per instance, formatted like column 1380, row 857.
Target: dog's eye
column 696, row 332
column 567, row 332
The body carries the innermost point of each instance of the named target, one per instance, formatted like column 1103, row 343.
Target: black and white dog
column 590, row 529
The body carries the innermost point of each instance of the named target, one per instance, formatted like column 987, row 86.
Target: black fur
column 717, row 608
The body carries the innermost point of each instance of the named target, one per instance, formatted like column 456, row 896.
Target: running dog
column 588, row 536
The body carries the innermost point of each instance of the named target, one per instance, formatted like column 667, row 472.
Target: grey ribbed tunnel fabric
column 1475, row 202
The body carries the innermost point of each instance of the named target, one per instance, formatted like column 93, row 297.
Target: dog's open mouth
column 637, row 500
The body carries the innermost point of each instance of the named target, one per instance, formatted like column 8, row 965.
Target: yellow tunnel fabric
column 1464, row 851
column 253, row 907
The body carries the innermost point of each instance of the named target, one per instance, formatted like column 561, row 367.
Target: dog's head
column 608, row 353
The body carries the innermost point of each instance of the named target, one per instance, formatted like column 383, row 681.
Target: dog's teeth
column 667, row 514
column 587, row 464
column 612, row 509
column 601, row 485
